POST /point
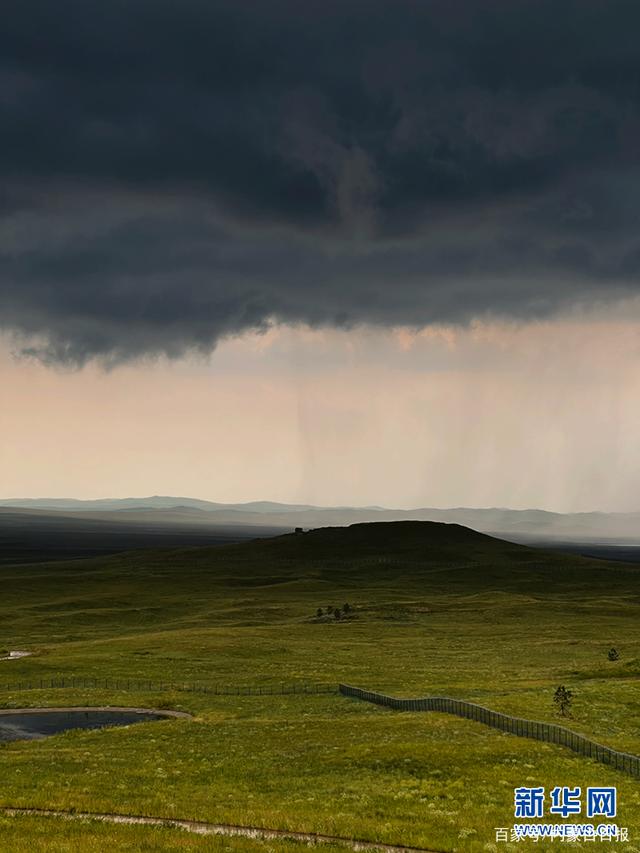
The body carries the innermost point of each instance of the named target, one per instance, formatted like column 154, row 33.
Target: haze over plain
column 322, row 256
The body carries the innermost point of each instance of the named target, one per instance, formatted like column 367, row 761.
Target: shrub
column 562, row 699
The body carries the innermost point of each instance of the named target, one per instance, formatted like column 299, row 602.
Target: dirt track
column 204, row 828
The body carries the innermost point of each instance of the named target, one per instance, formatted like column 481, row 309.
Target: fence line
column 548, row 732
column 142, row 685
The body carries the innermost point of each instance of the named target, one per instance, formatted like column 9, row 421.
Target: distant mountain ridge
column 519, row 525
column 153, row 502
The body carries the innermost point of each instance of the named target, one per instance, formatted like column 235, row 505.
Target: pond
column 36, row 723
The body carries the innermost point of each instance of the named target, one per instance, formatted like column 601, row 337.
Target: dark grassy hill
column 398, row 536
column 288, row 577
column 414, row 544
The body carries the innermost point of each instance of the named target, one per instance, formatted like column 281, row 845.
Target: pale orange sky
column 543, row 415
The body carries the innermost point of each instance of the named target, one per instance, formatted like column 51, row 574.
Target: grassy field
column 26, row 834
column 437, row 609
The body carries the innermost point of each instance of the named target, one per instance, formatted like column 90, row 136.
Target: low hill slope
column 286, row 578
column 414, row 540
column 418, row 554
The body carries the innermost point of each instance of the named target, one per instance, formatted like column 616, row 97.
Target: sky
column 336, row 253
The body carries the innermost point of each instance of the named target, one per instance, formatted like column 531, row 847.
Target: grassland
column 26, row 834
column 437, row 610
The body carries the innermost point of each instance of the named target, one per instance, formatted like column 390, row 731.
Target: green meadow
column 35, row 835
column 434, row 610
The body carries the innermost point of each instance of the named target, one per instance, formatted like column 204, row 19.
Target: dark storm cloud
column 176, row 172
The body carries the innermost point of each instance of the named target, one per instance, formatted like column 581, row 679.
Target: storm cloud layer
column 173, row 173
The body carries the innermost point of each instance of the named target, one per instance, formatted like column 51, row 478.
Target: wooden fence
column 142, row 685
column 548, row 732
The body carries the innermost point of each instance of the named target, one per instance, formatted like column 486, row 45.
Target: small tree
column 562, row 699
column 337, row 613
column 319, row 611
column 612, row 654
column 346, row 608
column 330, row 609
